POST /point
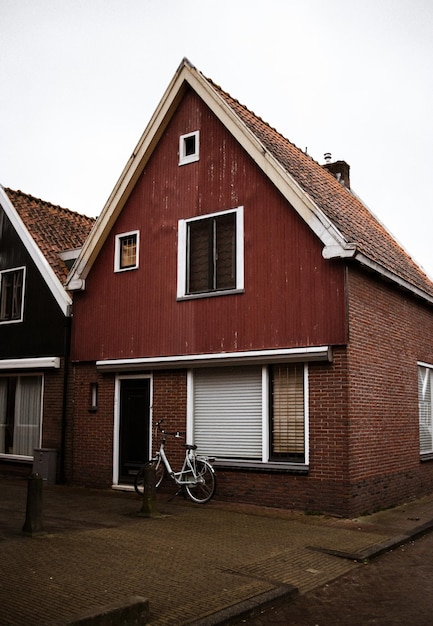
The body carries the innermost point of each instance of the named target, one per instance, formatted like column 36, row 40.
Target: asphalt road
column 392, row 590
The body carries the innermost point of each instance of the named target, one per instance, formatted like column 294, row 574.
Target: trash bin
column 45, row 464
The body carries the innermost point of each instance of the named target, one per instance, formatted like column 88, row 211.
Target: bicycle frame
column 188, row 473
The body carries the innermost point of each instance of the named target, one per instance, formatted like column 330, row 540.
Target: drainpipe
column 66, row 355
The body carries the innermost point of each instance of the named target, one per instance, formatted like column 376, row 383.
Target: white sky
column 80, row 80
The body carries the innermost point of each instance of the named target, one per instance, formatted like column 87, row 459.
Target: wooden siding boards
column 293, row 297
column 41, row 311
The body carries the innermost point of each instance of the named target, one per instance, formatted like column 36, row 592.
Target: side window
column 211, row 254
column 12, row 295
column 126, row 251
column 20, row 414
column 189, row 148
column 425, row 408
column 287, row 436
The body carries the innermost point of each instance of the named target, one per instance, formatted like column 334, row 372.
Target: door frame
column 116, row 432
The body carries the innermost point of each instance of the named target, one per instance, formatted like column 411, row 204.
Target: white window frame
column 428, row 374
column 182, row 256
column 118, row 248
column 265, row 461
column 22, row 457
column 184, row 158
column 6, row 271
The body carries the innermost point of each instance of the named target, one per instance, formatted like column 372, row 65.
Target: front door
column 134, row 420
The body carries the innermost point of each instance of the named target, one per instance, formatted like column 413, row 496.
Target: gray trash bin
column 45, row 464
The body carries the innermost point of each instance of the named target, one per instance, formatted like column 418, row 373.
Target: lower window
column 20, row 414
column 425, row 404
column 251, row 413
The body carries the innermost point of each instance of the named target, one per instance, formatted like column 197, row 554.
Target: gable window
column 252, row 414
column 20, row 414
column 126, row 251
column 425, row 408
column 12, row 295
column 189, row 148
column 211, row 254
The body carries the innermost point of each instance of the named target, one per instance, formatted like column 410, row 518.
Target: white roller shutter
column 228, row 412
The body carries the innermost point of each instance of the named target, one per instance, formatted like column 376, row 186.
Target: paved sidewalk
column 200, row 565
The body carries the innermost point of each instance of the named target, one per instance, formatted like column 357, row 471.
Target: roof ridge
column 46, row 203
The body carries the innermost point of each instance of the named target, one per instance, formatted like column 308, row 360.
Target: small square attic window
column 189, row 147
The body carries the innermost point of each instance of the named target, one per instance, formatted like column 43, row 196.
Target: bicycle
column 196, row 479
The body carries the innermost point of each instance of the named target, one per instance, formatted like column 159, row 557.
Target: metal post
column 148, row 508
column 33, row 524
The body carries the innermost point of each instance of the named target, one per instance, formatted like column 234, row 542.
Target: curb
column 377, row 550
column 247, row 608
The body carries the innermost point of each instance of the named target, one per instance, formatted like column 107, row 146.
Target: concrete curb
column 377, row 550
column 133, row 612
column 247, row 608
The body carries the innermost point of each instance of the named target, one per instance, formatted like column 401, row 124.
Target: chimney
column 339, row 169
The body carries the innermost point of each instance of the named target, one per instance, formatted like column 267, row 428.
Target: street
column 393, row 589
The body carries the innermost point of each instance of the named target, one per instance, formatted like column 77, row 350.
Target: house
column 38, row 243
column 239, row 290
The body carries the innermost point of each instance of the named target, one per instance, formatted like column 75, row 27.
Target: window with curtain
column 287, row 439
column 20, row 414
column 126, row 251
column 425, row 405
column 11, row 295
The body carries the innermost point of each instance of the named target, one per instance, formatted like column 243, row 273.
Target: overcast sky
column 80, row 80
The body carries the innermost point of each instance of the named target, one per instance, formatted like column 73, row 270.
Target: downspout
column 64, row 422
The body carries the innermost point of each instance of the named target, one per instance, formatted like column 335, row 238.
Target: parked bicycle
column 196, row 479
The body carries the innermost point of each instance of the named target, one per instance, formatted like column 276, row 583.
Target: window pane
column 425, row 409
column 226, row 251
column 288, row 422
column 11, row 295
column 199, row 257
column 3, row 421
column 128, row 251
column 27, row 415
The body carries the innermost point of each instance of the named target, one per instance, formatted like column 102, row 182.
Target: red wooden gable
column 292, row 296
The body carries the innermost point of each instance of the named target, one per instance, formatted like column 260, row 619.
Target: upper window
column 189, row 148
column 425, row 407
column 211, row 254
column 12, row 295
column 126, row 251
column 20, row 414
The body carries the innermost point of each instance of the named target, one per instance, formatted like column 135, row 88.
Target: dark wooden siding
column 293, row 297
column 41, row 333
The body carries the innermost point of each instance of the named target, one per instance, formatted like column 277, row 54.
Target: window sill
column 14, row 458
column 426, row 457
column 258, row 466
column 210, row 294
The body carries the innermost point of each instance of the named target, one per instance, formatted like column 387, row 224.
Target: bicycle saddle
column 190, row 446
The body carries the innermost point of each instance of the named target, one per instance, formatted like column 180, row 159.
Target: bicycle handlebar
column 176, row 434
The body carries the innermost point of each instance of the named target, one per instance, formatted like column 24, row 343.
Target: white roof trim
column 45, row 362
column 187, row 74
column 61, row 296
column 315, row 353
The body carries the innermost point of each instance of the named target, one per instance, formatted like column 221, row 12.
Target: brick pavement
column 195, row 564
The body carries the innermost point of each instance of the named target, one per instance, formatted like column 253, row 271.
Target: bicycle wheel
column 202, row 492
column 139, row 477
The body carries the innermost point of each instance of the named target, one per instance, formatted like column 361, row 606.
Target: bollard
column 33, row 524
column 148, row 508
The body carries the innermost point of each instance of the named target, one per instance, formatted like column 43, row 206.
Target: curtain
column 3, row 400
column 27, row 415
column 425, row 409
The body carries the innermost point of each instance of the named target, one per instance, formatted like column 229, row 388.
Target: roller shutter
column 228, row 412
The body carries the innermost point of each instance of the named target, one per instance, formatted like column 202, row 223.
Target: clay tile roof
column 348, row 214
column 53, row 228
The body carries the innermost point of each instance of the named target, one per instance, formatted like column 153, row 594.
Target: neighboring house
column 38, row 243
column 240, row 291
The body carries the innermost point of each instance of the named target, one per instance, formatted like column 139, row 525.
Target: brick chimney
column 339, row 169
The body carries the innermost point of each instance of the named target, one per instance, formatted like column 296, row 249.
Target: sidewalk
column 195, row 564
